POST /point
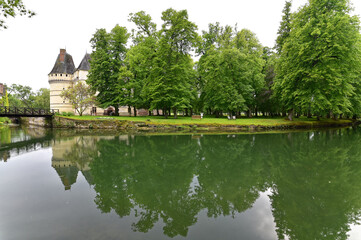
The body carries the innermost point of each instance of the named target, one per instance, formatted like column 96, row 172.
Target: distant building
column 65, row 75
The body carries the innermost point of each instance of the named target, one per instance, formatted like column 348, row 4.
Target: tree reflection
column 316, row 185
column 315, row 179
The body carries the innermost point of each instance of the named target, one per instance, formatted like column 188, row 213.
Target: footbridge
column 26, row 112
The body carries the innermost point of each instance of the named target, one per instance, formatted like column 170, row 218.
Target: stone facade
column 65, row 75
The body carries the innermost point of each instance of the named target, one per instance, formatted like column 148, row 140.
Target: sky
column 30, row 46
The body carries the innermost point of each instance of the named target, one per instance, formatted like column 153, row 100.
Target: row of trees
column 23, row 96
column 315, row 69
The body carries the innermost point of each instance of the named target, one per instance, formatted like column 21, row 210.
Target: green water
column 101, row 185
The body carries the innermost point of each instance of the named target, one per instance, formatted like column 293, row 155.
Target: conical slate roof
column 64, row 63
column 85, row 65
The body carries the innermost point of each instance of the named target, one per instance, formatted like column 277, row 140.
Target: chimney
column 62, row 55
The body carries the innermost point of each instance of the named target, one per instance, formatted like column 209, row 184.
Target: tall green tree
column 109, row 51
column 285, row 27
column 12, row 8
column 139, row 59
column 318, row 68
column 248, row 44
column 231, row 70
column 169, row 85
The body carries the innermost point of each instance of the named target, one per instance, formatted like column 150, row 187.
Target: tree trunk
column 256, row 112
column 129, row 111
column 186, row 112
column 135, row 111
column 157, row 112
column 249, row 113
column 290, row 115
column 116, row 111
column 175, row 112
column 149, row 113
column 191, row 112
column 165, row 113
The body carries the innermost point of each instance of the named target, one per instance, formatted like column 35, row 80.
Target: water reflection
column 15, row 140
column 313, row 179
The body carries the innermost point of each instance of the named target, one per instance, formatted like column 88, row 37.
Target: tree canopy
column 314, row 70
column 319, row 65
column 12, row 8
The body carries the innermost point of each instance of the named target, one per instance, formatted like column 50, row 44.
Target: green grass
column 257, row 121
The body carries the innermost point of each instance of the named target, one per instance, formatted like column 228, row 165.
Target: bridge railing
column 27, row 111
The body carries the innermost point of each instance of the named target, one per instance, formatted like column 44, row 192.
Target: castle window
column 66, row 75
column 61, row 75
column 63, row 88
column 55, row 75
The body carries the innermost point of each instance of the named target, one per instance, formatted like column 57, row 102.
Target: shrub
column 70, row 114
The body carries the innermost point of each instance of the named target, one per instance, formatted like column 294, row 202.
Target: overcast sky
column 29, row 47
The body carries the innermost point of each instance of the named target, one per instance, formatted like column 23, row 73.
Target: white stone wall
column 60, row 82
column 56, row 87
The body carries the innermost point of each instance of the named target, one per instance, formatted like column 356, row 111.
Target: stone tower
column 60, row 78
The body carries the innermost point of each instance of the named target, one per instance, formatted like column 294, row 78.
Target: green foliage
column 319, row 66
column 42, row 98
column 23, row 96
column 4, row 100
column 109, row 51
column 285, row 27
column 169, row 83
column 230, row 69
column 12, row 8
column 80, row 95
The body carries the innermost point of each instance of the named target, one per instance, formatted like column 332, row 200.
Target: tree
column 4, row 101
column 21, row 96
column 265, row 99
column 231, row 70
column 320, row 62
column 169, row 84
column 109, row 51
column 139, row 59
column 12, row 8
column 222, row 71
column 42, row 98
column 246, row 41
column 80, row 96
column 285, row 27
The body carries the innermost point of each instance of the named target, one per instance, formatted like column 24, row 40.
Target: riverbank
column 155, row 123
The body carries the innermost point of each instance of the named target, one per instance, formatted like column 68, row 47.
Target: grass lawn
column 217, row 121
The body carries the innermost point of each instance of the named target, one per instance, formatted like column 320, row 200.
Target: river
column 66, row 184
